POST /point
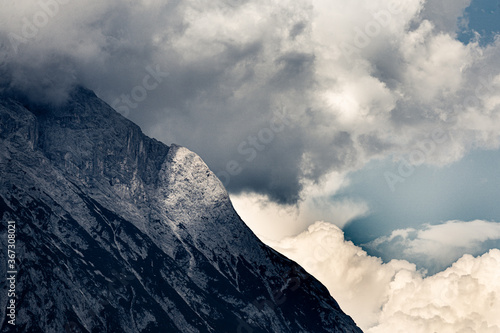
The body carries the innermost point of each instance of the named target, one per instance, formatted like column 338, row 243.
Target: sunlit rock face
column 117, row 232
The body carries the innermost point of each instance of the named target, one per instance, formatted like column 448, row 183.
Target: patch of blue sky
column 481, row 17
column 465, row 190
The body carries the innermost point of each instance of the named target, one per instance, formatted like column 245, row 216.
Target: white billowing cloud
column 435, row 64
column 408, row 71
column 463, row 298
column 418, row 80
column 438, row 246
column 457, row 233
column 394, row 296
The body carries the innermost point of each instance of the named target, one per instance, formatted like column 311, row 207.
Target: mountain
column 117, row 232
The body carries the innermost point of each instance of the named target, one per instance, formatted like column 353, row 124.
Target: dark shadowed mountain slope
column 117, row 232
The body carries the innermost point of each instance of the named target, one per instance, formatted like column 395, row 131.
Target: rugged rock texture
column 117, row 232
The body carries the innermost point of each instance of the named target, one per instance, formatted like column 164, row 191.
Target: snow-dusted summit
column 117, row 232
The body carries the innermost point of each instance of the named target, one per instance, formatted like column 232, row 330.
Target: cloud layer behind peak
column 350, row 81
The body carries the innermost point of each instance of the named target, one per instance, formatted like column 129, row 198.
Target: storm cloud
column 275, row 96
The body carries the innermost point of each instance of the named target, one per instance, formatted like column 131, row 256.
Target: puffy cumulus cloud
column 463, row 298
column 349, row 81
column 395, row 296
column 435, row 247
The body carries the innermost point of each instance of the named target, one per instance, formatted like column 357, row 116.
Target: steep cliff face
column 117, row 232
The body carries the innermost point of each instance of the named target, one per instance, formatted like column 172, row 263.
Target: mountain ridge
column 120, row 233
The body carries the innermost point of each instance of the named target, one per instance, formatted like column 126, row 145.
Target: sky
column 372, row 124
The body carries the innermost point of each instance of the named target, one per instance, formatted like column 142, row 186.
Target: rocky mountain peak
column 118, row 232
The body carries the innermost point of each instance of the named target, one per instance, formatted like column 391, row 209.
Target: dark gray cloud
column 214, row 76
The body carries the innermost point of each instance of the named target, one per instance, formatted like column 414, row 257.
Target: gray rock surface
column 117, row 232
